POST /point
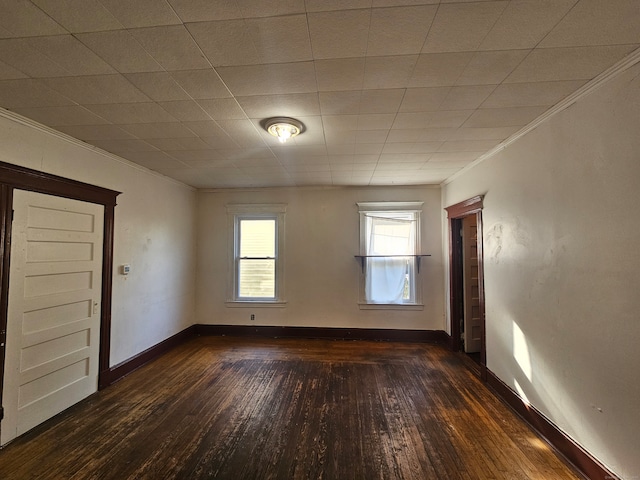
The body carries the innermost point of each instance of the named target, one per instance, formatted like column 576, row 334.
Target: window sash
column 256, row 257
column 390, row 240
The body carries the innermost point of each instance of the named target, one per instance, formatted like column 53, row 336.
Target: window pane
column 390, row 237
column 258, row 238
column 257, row 278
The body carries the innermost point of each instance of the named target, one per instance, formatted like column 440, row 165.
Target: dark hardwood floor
column 230, row 408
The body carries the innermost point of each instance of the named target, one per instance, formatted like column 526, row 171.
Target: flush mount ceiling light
column 283, row 128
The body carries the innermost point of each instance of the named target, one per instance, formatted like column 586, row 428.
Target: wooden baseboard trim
column 116, row 372
column 572, row 452
column 420, row 336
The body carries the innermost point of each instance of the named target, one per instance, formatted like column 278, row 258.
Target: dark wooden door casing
column 16, row 177
column 455, row 214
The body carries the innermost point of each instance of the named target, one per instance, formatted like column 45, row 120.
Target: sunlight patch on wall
column 521, row 351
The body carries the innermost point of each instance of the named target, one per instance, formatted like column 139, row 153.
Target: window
column 389, row 242
column 257, row 256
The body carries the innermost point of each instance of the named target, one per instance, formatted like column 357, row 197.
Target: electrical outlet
column 253, row 317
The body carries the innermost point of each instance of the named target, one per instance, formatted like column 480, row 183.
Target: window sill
column 255, row 304
column 391, row 306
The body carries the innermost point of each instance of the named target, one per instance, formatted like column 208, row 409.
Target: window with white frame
column 389, row 248
column 257, row 239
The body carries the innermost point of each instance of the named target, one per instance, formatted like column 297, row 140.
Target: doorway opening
column 467, row 281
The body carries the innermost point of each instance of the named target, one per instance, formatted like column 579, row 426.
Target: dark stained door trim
column 16, row 177
column 455, row 214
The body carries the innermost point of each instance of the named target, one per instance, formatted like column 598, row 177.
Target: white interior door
column 53, row 322
column 472, row 319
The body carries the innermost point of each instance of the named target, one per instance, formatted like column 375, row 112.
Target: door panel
column 472, row 318
column 53, row 323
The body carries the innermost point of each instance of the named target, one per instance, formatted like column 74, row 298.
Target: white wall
column 561, row 231
column 322, row 275
column 155, row 232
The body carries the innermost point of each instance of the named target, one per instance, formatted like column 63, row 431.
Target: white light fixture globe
column 283, row 128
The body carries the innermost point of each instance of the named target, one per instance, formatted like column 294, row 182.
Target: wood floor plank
column 222, row 407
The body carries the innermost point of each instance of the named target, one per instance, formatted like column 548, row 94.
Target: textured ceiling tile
column 158, row 86
column 372, row 136
column 404, row 136
column 403, row 158
column 223, row 108
column 248, row 154
column 524, row 23
column 388, row 72
column 120, row 50
column 287, row 105
column 436, row 134
column 281, row 39
column 243, row 132
column 270, row 79
column 439, row 69
column 375, row 121
column 424, row 99
column 340, row 137
column 340, row 74
column 424, row 147
column 328, row 5
column 154, row 160
column 499, row 133
column 175, row 144
column 465, row 157
column 503, row 117
column 573, row 63
column 171, row 46
column 440, row 119
column 20, row 55
column 467, row 145
column 206, row 129
column 95, row 132
column 226, row 42
column 28, row 92
column 594, row 22
column 127, row 113
column 260, row 8
column 205, row 10
column 158, row 130
column 97, row 89
column 491, row 68
column 63, row 115
column 142, row 13
column 185, row 110
column 7, row 72
column 466, row 97
column 340, row 103
column 339, row 34
column 399, row 30
column 71, row 54
column 530, row 94
column 201, row 83
column 220, row 141
column 24, row 19
column 381, row 101
column 462, row 27
column 124, row 145
column 198, row 157
column 79, row 15
column 398, row 3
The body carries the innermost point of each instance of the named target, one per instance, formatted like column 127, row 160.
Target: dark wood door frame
column 16, row 177
column 455, row 214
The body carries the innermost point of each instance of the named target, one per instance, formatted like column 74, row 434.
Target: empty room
column 317, row 239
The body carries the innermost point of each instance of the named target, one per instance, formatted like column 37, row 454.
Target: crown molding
column 587, row 89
